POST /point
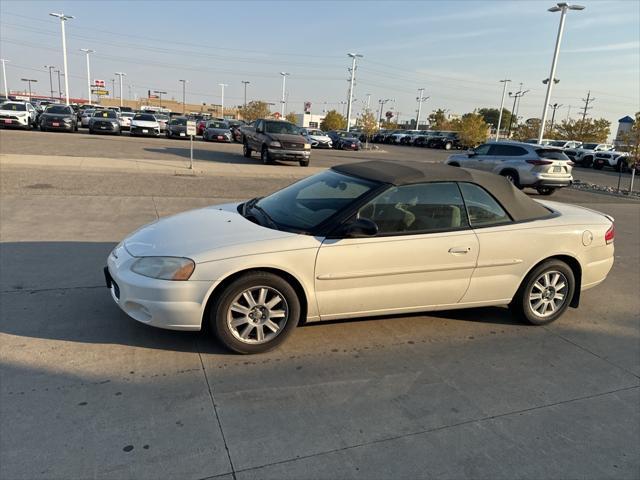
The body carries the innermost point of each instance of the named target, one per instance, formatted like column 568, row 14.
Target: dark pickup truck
column 275, row 140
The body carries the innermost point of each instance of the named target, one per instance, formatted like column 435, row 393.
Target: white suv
column 523, row 164
column 584, row 155
column 18, row 114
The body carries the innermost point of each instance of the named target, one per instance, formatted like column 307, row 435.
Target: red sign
column 99, row 83
column 277, row 115
column 389, row 115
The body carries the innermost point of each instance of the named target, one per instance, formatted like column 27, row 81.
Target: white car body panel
column 353, row 276
column 145, row 124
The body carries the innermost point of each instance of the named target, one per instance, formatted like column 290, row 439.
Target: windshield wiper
column 265, row 215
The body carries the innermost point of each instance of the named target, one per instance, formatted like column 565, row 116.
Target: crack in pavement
column 437, row 429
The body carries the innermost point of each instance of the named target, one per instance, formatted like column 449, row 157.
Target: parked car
column 18, row 114
column 162, row 121
column 275, row 140
column 217, row 131
column 423, row 140
column 448, row 141
column 144, row 124
column 344, row 140
column 584, row 155
column 411, row 138
column 357, row 240
column 534, row 141
column 398, row 137
column 234, row 127
column 379, row 136
column 105, row 121
column 619, row 161
column 177, row 128
column 523, row 164
column 319, row 139
column 85, row 116
column 125, row 120
column 59, row 117
column 565, row 144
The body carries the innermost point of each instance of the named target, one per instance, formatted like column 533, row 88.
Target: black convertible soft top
column 519, row 205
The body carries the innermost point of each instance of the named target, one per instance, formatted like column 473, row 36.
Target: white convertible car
column 363, row 239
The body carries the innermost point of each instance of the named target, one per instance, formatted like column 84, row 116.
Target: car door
column 423, row 255
column 477, row 157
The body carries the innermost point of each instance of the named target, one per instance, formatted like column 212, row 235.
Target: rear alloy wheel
column 546, row 191
column 545, row 293
column 255, row 313
column 512, row 177
column 265, row 157
column 246, row 151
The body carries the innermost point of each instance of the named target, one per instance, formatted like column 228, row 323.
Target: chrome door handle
column 459, row 250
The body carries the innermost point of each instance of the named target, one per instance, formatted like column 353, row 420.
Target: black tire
column 454, row 164
column 521, row 305
column 304, row 163
column 90, row 131
column 221, row 312
column 265, row 157
column 587, row 162
column 622, row 166
column 512, row 176
column 246, row 151
column 546, row 191
column 42, row 129
column 597, row 166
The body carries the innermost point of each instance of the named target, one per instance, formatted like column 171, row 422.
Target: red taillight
column 540, row 162
column 610, row 235
column 570, row 163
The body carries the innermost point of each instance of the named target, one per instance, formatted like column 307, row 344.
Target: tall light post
column 562, row 7
column 50, row 67
column 354, row 57
column 29, row 81
column 284, row 83
column 160, row 93
column 245, row 82
column 555, row 107
column 4, row 77
column 88, row 51
column 382, row 102
column 420, row 98
column 120, row 74
column 63, row 18
column 184, row 83
column 504, row 91
column 514, row 111
column 222, row 85
column 57, row 70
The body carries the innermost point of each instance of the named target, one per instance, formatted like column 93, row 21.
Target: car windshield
column 220, row 125
column 105, row 114
column 179, row 121
column 551, row 154
column 59, row 109
column 309, row 202
column 161, row 117
column 589, row 146
column 88, row 113
column 315, row 132
column 127, row 114
column 16, row 107
column 145, row 117
column 281, row 127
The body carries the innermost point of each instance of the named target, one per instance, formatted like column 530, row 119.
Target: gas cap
column 587, row 238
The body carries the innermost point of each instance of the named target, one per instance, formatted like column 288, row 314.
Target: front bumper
column 145, row 131
column 105, row 128
column 159, row 303
column 21, row 122
column 293, row 155
column 67, row 127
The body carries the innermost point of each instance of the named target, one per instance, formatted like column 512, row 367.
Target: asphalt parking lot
column 86, row 392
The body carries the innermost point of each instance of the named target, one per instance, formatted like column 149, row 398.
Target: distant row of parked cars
column 591, row 155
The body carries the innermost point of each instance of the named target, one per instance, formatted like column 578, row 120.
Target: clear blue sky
column 456, row 50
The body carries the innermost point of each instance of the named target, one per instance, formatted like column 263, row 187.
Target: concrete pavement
column 86, row 392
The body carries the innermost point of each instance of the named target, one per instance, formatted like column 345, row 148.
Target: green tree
column 491, row 116
column 472, row 129
column 527, row 130
column 589, row 130
column 333, row 121
column 438, row 120
column 291, row 117
column 368, row 123
column 389, row 125
column 254, row 110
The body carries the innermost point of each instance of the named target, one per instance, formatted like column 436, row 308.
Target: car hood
column 144, row 123
column 211, row 233
column 14, row 112
column 288, row 137
column 320, row 138
column 218, row 131
column 57, row 115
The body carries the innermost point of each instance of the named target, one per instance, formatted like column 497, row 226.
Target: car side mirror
column 362, row 227
column 471, row 153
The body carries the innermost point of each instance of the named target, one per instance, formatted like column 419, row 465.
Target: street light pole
column 4, row 76
column 63, row 18
column 421, row 98
column 284, row 82
column 222, row 85
column 382, row 102
column 353, row 56
column 504, row 91
column 562, row 8
column 555, row 107
column 29, row 80
column 50, row 67
column 184, row 82
column 120, row 74
column 159, row 92
column 88, row 51
column 246, row 82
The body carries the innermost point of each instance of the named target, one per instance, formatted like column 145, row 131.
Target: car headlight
column 115, row 124
column 275, row 143
column 66, row 120
column 307, row 146
column 164, row 268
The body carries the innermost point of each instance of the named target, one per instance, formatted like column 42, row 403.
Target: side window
column 507, row 150
column 428, row 207
column 482, row 208
column 482, row 149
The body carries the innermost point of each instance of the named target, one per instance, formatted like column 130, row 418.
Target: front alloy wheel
column 255, row 313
